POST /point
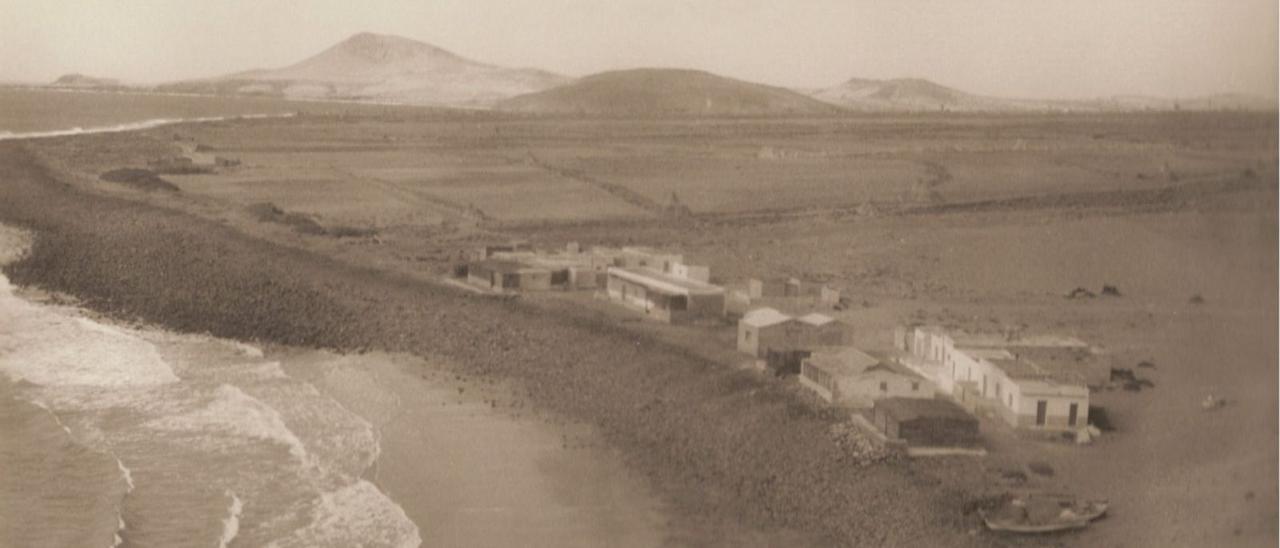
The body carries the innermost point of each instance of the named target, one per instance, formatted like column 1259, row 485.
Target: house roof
column 1020, row 368
column 764, row 317
column 906, row 409
column 984, row 352
column 817, row 319
column 663, row 283
column 844, row 360
column 847, row 361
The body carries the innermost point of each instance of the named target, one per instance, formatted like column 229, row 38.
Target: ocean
column 32, row 113
column 114, row 436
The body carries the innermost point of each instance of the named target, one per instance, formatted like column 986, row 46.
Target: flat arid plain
column 337, row 226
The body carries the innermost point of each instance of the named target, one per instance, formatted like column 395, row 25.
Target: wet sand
column 470, row 474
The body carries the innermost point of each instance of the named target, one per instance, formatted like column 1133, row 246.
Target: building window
column 1072, row 414
column 884, row 386
column 915, row 386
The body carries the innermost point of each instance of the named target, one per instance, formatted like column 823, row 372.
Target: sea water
column 115, row 436
column 27, row 113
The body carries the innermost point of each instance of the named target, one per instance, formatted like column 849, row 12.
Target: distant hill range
column 75, row 80
column 907, row 94
column 647, row 92
column 919, row 95
column 377, row 67
column 393, row 69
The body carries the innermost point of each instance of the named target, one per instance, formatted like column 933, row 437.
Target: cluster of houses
column 658, row 284
column 903, row 404
column 924, row 392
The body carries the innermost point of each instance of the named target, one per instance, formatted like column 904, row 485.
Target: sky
column 1013, row 48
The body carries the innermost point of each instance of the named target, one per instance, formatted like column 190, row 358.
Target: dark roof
column 906, row 409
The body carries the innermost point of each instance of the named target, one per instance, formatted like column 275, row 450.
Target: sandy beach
column 470, row 474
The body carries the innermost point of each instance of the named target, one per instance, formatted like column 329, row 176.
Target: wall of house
column 705, row 306
column 748, row 339
column 778, row 336
column 816, row 380
column 831, row 334
column 932, row 431
column 534, row 280
column 863, row 390
column 477, row 279
column 757, row 288
column 1058, row 410
column 963, row 367
column 582, row 278
column 691, row 272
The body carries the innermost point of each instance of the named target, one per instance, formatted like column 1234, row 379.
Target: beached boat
column 1043, row 514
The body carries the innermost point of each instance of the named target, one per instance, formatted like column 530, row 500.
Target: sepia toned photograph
column 639, row 273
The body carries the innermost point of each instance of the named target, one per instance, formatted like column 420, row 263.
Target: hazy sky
column 1022, row 48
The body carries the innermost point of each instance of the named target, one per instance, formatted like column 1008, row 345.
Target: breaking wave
column 231, row 525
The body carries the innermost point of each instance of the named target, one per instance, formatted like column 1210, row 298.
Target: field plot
column 407, row 179
column 737, row 184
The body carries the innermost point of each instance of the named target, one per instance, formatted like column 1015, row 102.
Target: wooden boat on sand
column 1039, row 513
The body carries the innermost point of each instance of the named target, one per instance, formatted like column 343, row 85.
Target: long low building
column 664, row 297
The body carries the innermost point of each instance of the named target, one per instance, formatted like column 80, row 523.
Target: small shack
column 764, row 328
column 925, row 422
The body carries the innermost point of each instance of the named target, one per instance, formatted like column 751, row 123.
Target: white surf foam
column 231, row 410
column 48, row 348
column 118, row 539
column 231, row 524
column 126, row 474
column 131, row 126
column 357, row 514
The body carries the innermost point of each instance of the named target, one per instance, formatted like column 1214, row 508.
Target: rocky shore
column 725, row 448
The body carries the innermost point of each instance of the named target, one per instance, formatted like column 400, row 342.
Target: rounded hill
column 649, row 92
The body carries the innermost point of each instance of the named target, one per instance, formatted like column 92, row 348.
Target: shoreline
column 452, row 459
column 722, row 448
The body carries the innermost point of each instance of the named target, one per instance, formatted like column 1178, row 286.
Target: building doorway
column 1041, row 411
